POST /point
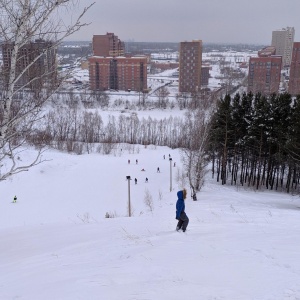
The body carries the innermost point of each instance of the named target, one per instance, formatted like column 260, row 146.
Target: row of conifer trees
column 255, row 141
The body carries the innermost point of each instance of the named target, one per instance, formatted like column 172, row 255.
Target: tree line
column 65, row 128
column 255, row 141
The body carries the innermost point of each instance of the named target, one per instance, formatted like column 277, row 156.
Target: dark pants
column 183, row 221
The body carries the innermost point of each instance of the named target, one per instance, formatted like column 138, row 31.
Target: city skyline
column 212, row 21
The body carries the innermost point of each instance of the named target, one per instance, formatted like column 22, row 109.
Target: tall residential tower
column 190, row 61
column 38, row 58
column 283, row 40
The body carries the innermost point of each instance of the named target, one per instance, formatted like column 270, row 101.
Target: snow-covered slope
column 57, row 244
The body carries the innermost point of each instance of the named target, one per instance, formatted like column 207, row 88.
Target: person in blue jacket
column 181, row 216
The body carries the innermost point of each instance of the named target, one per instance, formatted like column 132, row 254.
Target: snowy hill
column 57, row 244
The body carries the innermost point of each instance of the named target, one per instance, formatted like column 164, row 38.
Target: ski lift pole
column 129, row 204
column 170, row 159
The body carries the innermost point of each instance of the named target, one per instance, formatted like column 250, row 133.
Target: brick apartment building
column 265, row 71
column 42, row 71
column 264, row 74
column 108, row 45
column 294, row 81
column 190, row 60
column 109, row 69
column 118, row 73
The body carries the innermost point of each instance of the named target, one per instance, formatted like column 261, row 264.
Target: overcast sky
column 221, row 21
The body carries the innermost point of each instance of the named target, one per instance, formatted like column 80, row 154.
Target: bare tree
column 181, row 177
column 22, row 22
column 101, row 97
column 183, row 100
column 162, row 94
column 194, row 155
column 148, row 200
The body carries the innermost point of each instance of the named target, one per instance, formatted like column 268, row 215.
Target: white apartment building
column 283, row 40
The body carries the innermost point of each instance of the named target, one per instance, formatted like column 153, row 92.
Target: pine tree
column 221, row 136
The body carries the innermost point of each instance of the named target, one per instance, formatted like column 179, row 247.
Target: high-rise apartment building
column 109, row 69
column 283, row 40
column 42, row 71
column 264, row 74
column 108, row 45
column 294, row 82
column 190, row 61
column 118, row 73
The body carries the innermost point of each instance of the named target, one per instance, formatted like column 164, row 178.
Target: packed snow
column 56, row 242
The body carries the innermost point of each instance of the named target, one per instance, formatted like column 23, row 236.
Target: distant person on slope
column 181, row 216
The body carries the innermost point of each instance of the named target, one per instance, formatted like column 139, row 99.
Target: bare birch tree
column 21, row 23
column 194, row 155
column 162, row 94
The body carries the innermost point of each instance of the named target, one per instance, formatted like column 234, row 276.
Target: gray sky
column 221, row 21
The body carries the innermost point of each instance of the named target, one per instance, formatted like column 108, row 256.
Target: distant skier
column 158, row 170
column 146, row 180
column 15, row 199
column 135, row 180
column 136, row 161
column 174, row 164
column 128, row 161
column 181, row 216
column 164, row 157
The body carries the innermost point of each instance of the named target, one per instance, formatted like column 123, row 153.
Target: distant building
column 283, row 40
column 264, row 74
column 267, row 51
column 205, row 75
column 118, row 73
column 109, row 69
column 190, row 61
column 165, row 66
column 42, row 71
column 108, row 45
column 294, row 81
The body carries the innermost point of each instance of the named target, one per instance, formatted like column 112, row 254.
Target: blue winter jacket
column 180, row 206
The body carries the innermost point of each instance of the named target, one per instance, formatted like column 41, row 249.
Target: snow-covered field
column 57, row 244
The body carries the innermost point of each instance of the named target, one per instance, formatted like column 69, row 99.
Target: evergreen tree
column 221, row 136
